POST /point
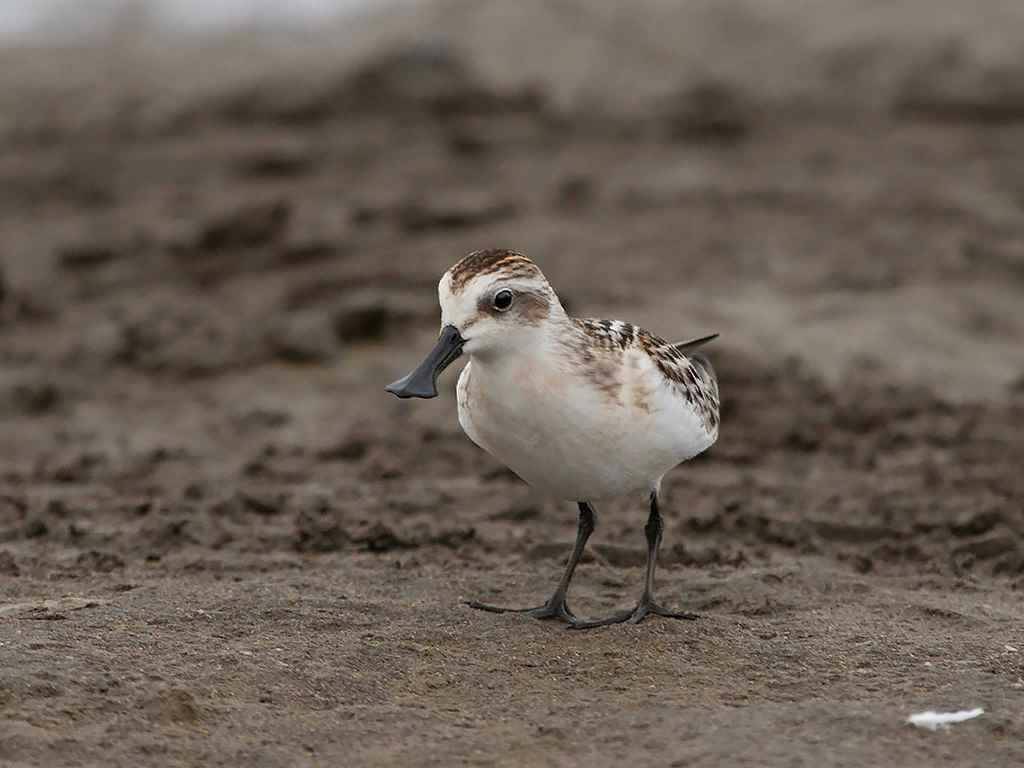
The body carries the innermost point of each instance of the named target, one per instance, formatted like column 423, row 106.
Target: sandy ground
column 222, row 543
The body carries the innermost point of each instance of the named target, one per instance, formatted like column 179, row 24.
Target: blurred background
column 795, row 168
column 221, row 229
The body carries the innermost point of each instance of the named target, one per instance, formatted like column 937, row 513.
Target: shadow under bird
column 581, row 409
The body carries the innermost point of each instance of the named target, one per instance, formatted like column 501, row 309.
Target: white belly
column 567, row 439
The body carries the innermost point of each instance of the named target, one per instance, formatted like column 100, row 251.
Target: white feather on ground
column 933, row 721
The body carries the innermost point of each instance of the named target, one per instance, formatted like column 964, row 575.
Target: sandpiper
column 582, row 410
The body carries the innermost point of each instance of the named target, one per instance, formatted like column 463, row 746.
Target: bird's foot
column 646, row 607
column 555, row 608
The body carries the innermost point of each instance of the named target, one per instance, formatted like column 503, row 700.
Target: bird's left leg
column 647, row 605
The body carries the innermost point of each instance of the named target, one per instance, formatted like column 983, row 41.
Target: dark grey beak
column 422, row 382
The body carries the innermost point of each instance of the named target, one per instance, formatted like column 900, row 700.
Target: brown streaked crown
column 488, row 261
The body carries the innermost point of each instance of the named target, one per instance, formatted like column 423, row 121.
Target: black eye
column 503, row 299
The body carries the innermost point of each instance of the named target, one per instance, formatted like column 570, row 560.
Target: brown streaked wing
column 690, row 374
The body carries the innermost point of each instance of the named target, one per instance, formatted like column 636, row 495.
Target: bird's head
column 493, row 302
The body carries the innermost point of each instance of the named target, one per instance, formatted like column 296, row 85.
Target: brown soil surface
column 221, row 542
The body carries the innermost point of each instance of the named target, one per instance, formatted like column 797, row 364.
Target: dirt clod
column 36, row 397
column 713, row 112
column 277, row 162
column 318, row 529
column 87, row 255
column 36, row 528
column 249, row 225
column 301, row 337
column 467, row 211
column 173, row 706
column 99, row 562
column 8, row 565
column 368, row 319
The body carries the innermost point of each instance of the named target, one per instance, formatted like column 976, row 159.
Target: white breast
column 571, row 440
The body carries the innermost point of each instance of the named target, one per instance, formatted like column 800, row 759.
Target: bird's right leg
column 556, row 607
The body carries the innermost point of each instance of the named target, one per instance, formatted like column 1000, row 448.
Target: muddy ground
column 221, row 543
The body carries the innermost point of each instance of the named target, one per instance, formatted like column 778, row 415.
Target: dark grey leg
column 647, row 605
column 556, row 607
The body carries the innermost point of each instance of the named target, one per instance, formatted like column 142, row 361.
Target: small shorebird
column 582, row 410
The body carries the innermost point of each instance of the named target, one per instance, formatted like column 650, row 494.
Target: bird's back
column 687, row 374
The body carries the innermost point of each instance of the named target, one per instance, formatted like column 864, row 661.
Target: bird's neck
column 528, row 349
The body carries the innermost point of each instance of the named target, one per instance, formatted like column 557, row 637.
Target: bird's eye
column 503, row 299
